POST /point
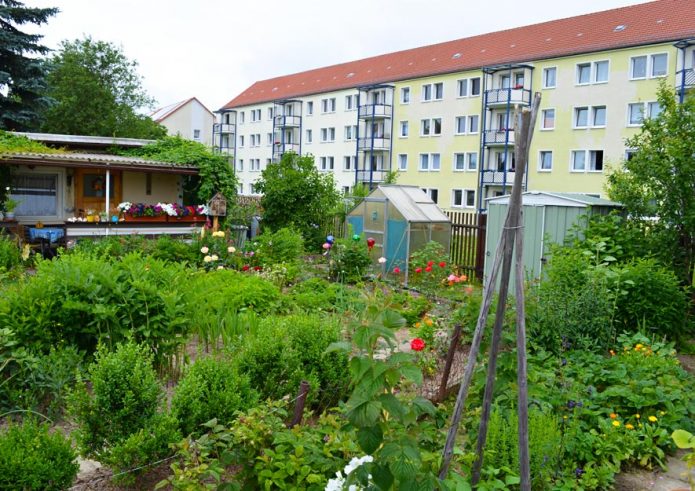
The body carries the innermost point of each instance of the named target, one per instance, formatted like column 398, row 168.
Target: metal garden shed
column 401, row 220
column 548, row 218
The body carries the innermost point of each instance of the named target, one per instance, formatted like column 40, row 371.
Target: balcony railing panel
column 371, row 175
column 497, row 177
column 496, row 97
column 499, row 137
column 287, row 121
column 380, row 144
column 686, row 78
column 223, row 128
column 370, row 111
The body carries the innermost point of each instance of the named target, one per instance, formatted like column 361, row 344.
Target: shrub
column 653, row 299
column 10, row 256
column 32, row 458
column 285, row 245
column 429, row 266
column 349, row 260
column 290, row 349
column 211, row 388
column 169, row 249
column 80, row 300
column 317, row 294
column 124, row 398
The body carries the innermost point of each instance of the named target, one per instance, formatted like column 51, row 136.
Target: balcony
column 685, row 79
column 287, row 121
column 371, row 176
column 223, row 128
column 502, row 97
column 494, row 177
column 376, row 144
column 496, row 137
column 375, row 111
column 280, row 148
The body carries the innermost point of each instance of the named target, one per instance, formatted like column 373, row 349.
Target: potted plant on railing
column 10, row 205
column 142, row 212
column 190, row 213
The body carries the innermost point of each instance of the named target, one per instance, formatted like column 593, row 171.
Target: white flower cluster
column 202, row 210
column 338, row 483
column 124, row 206
column 168, row 209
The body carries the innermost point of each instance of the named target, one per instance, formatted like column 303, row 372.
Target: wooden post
column 215, row 223
column 510, row 237
column 449, row 361
column 299, row 405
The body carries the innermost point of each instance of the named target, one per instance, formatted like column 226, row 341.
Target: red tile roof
column 647, row 23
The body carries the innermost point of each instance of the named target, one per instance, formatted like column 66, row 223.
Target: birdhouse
column 218, row 205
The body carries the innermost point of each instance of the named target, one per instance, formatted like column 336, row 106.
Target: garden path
column 675, row 479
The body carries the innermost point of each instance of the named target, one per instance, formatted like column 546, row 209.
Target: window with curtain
column 37, row 194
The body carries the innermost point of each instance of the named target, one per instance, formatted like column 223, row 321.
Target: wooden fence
column 468, row 241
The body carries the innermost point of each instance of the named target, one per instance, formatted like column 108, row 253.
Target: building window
column 549, row 77
column 404, row 129
column 429, row 162
column 350, row 102
column 462, row 198
column 654, row 65
column 403, row 162
column 637, row 111
column 270, row 113
column 459, row 161
column 460, row 125
column 433, row 194
column 630, row 153
column 474, row 86
column 581, row 117
column 328, row 105
column 405, row 95
column 255, row 165
column 600, row 71
column 242, row 117
column 438, row 91
column 350, row 132
column 595, row 161
column 309, row 108
column 548, row 119
column 473, row 123
column 431, row 127
column 545, row 160
column 472, row 160
column 327, row 135
column 462, row 87
column 598, row 116
column 326, row 163
column 433, row 92
column 240, row 165
column 596, row 72
column 427, row 92
column 653, row 109
column 309, row 136
column 37, row 194
column 241, row 140
column 468, row 87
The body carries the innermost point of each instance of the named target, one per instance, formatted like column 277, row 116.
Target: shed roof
column 646, row 23
column 89, row 160
column 413, row 203
column 545, row 198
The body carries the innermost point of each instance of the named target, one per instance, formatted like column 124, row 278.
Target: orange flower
column 613, row 415
column 417, row 324
column 428, row 321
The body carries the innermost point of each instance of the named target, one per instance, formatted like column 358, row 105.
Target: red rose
column 417, row 344
column 442, row 264
column 430, row 263
column 256, row 268
column 397, row 270
column 246, row 267
column 428, row 269
column 418, row 270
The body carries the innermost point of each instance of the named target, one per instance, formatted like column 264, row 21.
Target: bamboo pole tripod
column 510, row 244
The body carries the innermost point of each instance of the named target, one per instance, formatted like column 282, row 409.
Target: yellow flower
column 662, row 413
column 629, row 426
column 653, row 419
column 616, row 423
column 428, row 321
column 637, row 416
column 207, row 259
column 638, row 346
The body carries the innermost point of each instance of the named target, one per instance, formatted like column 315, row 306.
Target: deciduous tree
column 97, row 91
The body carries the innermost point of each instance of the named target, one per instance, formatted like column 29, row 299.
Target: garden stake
column 299, row 406
column 449, row 361
column 512, row 235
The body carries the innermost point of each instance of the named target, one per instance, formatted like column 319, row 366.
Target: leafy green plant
column 429, row 267
column 32, row 457
column 287, row 350
column 10, row 255
column 124, row 387
column 686, row 440
column 210, row 388
column 285, row 245
column 349, row 260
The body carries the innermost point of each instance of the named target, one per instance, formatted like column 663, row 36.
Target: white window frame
column 543, row 119
column 403, row 159
column 468, row 161
column 431, row 127
column 309, row 136
column 431, row 90
column 59, row 175
column 310, row 108
column 426, row 94
column 545, row 77
column 541, row 153
column 327, row 164
column 647, row 110
column 455, row 161
column 403, row 125
column 649, row 66
column 453, row 198
column 469, row 125
column 575, row 117
column 430, row 157
column 405, row 95
column 587, row 155
column 593, row 72
column 593, row 116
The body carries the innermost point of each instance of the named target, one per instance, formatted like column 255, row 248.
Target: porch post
column 108, row 196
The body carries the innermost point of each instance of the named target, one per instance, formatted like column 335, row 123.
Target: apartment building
column 189, row 119
column 442, row 115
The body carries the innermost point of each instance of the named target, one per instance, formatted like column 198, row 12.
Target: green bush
column 169, row 249
column 10, row 255
column 653, row 300
column 349, row 260
column 287, row 350
column 425, row 270
column 81, row 300
column 32, row 458
column 113, row 247
column 211, row 388
column 317, row 294
column 285, row 245
column 124, row 398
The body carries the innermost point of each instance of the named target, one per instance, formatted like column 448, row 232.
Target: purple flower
column 578, row 472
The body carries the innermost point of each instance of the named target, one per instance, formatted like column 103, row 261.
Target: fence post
column 449, row 361
column 480, row 246
column 299, row 405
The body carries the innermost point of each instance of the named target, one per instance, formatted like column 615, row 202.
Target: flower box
column 187, row 219
column 157, row 219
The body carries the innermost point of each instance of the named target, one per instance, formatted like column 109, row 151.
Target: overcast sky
column 214, row 49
